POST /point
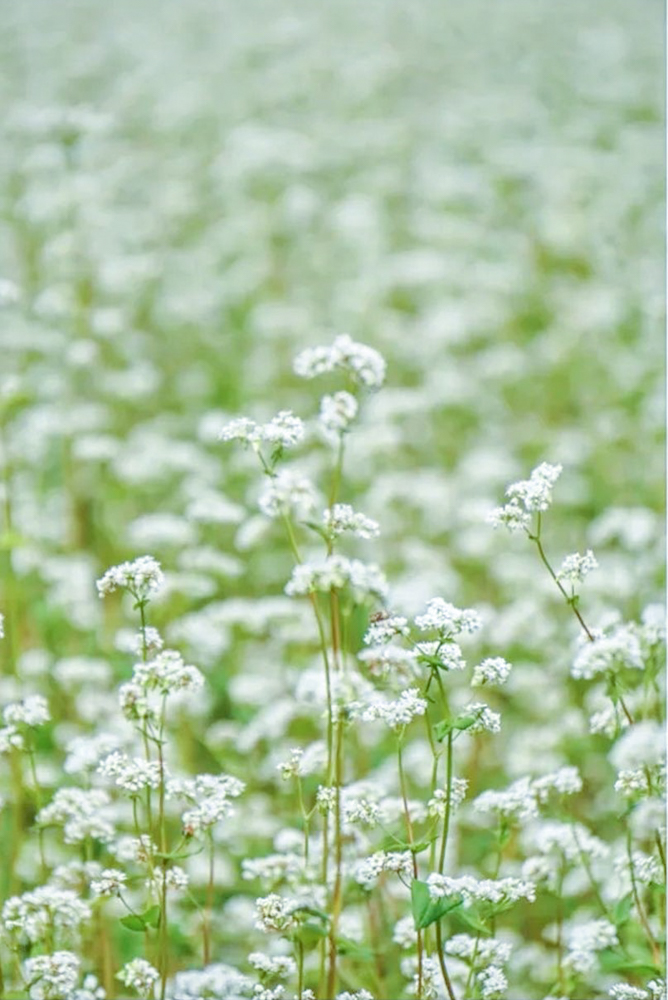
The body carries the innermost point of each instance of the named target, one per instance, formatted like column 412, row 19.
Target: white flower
column 278, row 966
column 141, row 578
column 565, row 781
column 110, row 882
column 284, row 431
column 526, row 496
column 139, row 975
column 131, row 774
column 288, row 492
column 336, row 572
column 493, row 670
column 493, row 982
column 167, row 673
column 337, row 413
column 51, row 977
column 447, row 620
column 490, row 890
column 341, row 517
column 518, row 801
column 384, row 627
column 618, row 649
column 486, row 721
column 642, row 744
column 38, row 913
column 361, row 362
column 32, row 711
column 274, row 913
column 396, row 714
column 585, row 939
column 368, row 871
column 575, row 567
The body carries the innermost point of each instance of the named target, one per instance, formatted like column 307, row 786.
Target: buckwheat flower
column 447, row 620
column 275, row 913
column 485, row 720
column 290, row 767
column 502, row 890
column 632, row 783
column 368, row 871
column 131, row 774
column 436, row 806
column 398, row 666
column 618, row 649
column 147, row 639
column 360, row 812
column 404, row 933
column 325, row 799
column 535, row 493
column 218, row 980
column 511, row 516
column 11, row 739
column 493, row 670
column 585, row 940
column 657, row 989
column 43, row 911
column 341, row 517
column 337, row 414
column 51, row 977
column 273, row 868
column 169, row 878
column 517, row 802
column 446, row 655
column 641, row 745
column 431, row 978
column 261, row 992
column 623, row 991
column 89, row 990
column 575, row 567
column 646, row 868
column 288, row 492
column 84, row 752
column 241, row 429
column 364, row 363
column 607, row 720
column 285, row 430
column 336, row 572
column 565, row 781
column 478, row 951
column 396, row 714
column 110, row 883
column 167, row 673
column 276, row 966
column 493, row 982
column 142, row 578
column 357, row 995
column 140, row 849
column 383, row 627
column 139, row 975
column 32, row 711
column 82, row 812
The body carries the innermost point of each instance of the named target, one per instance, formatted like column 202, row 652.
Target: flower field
column 332, row 492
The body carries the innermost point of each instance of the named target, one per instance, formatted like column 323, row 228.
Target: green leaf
column 134, row 922
column 345, row 946
column 613, row 961
column 622, row 910
column 461, row 722
column 152, row 916
column 309, row 934
column 426, row 910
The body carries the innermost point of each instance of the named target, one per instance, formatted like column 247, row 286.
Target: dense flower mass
column 293, row 295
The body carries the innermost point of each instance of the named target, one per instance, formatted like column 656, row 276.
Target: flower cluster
column 362, row 363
